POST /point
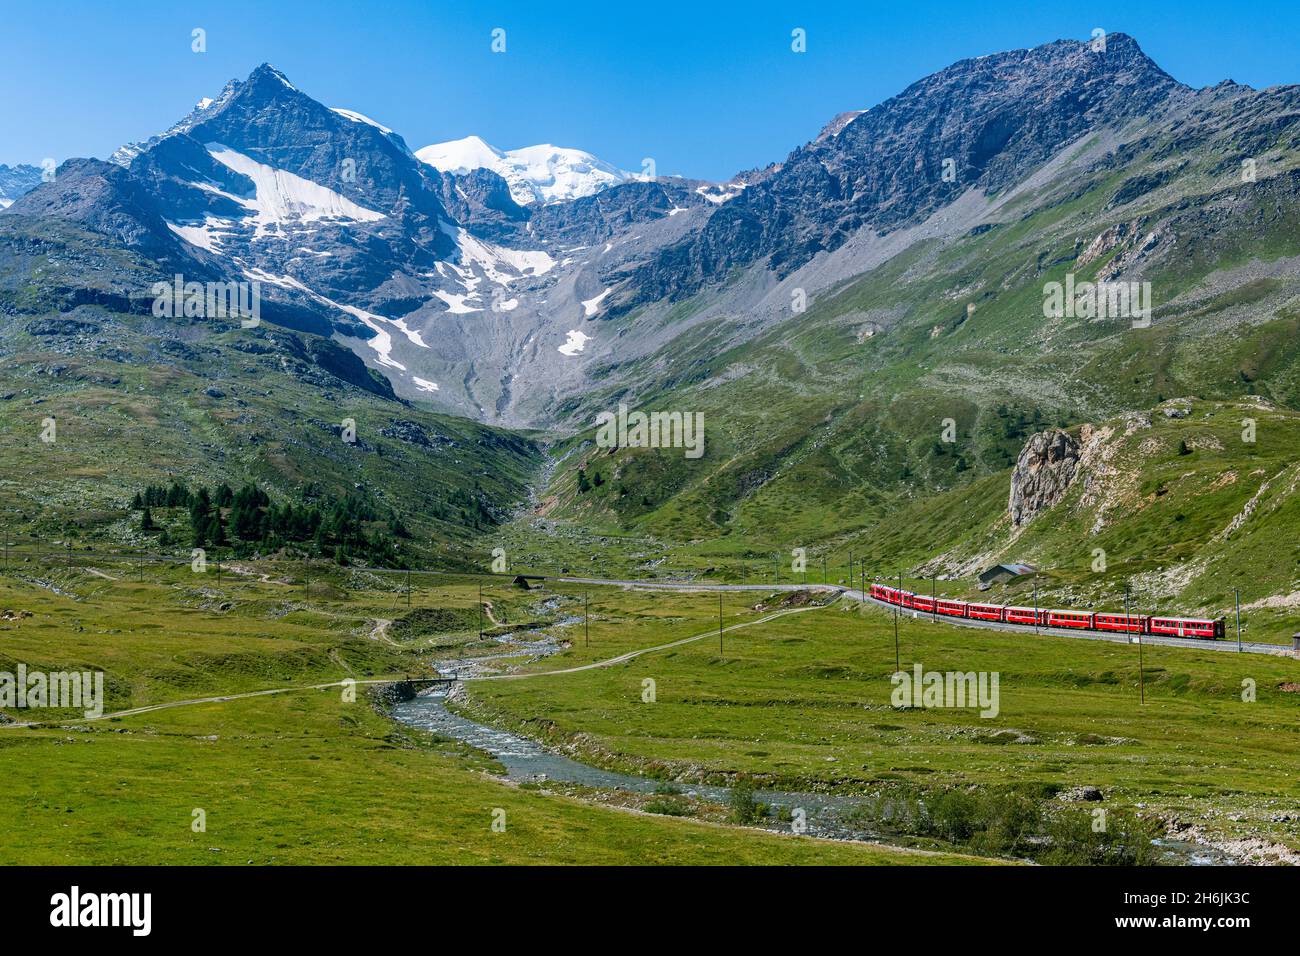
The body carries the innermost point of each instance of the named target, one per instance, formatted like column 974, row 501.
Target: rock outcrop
column 1042, row 475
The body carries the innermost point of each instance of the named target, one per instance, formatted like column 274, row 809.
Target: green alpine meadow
column 376, row 491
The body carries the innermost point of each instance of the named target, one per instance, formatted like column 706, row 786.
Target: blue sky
column 706, row 89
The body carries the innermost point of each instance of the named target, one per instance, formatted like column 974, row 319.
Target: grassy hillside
column 1172, row 503
column 140, row 400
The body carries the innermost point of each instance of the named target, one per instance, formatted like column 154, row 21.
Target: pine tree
column 200, row 518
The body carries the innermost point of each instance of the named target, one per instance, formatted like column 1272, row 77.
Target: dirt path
column 380, row 632
column 621, row 658
column 220, row 699
column 381, row 629
column 334, row 656
column 262, row 577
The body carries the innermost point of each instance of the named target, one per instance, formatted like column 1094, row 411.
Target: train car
column 984, row 612
column 922, row 603
column 1120, row 623
column 953, row 608
column 1185, row 627
column 1076, row 620
column 1023, row 615
column 1081, row 620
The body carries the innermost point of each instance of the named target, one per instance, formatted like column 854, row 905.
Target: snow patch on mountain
column 719, row 194
column 456, row 303
column 591, row 306
column 574, row 343
column 356, row 117
column 360, row 118
column 283, row 198
column 206, row 236
column 497, row 263
column 382, row 342
column 535, row 174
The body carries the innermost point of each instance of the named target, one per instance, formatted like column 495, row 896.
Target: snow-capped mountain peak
column 16, row 181
column 535, row 174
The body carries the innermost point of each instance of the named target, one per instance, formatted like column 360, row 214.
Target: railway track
column 853, row 594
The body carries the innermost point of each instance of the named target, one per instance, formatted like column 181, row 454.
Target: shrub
column 744, row 808
column 668, row 808
column 1010, row 821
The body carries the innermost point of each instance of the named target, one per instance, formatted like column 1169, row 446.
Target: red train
column 1044, row 617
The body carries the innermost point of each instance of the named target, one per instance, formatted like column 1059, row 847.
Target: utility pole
column 898, row 665
column 1035, row 607
column 1142, row 686
column 850, row 569
column 586, row 619
column 408, row 587
column 1236, row 599
column 934, row 596
column 1142, row 683
column 719, row 623
column 480, row 610
column 823, row 569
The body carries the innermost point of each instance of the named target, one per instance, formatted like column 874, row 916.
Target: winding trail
column 291, row 688
column 621, row 658
column 380, row 632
